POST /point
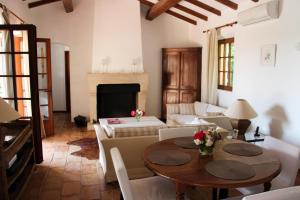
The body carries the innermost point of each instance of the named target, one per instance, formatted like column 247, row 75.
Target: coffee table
column 129, row 126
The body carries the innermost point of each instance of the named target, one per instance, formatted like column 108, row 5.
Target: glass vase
column 138, row 118
column 208, row 151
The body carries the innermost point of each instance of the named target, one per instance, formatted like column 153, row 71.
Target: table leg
column 223, row 193
column 215, row 194
column 267, row 186
column 180, row 189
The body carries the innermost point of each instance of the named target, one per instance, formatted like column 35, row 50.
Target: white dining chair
column 289, row 158
column 290, row 193
column 152, row 188
column 168, row 133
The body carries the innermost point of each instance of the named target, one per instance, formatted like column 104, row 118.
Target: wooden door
column 169, row 97
column 18, row 76
column 189, row 70
column 45, row 83
column 188, row 96
column 171, row 70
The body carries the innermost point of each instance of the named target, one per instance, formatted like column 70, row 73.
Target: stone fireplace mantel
column 94, row 79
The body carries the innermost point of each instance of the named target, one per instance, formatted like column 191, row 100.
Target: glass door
column 18, row 75
column 45, row 83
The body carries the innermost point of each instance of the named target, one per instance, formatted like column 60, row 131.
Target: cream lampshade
column 7, row 113
column 241, row 111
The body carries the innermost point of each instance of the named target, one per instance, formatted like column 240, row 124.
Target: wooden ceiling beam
column 68, row 4
column 160, row 7
column 170, row 12
column 191, row 12
column 228, row 3
column 255, row 0
column 205, row 7
column 40, row 3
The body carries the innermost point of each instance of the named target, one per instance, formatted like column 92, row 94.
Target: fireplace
column 95, row 79
column 116, row 100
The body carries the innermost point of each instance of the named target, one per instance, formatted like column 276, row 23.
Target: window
column 226, row 64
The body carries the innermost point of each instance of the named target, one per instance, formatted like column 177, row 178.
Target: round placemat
column 186, row 142
column 169, row 157
column 243, row 149
column 230, row 169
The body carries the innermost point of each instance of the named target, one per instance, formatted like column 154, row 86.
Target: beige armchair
column 131, row 149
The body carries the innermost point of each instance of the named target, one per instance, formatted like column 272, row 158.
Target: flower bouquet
column 138, row 113
column 206, row 141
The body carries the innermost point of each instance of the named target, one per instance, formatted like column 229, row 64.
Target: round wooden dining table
column 193, row 173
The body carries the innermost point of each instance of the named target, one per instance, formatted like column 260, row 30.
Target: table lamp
column 241, row 112
column 7, row 113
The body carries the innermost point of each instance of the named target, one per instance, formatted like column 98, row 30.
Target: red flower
column 133, row 113
column 143, row 113
column 200, row 135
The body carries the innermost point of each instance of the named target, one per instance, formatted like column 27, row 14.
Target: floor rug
column 89, row 148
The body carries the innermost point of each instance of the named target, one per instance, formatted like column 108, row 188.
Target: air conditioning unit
column 263, row 12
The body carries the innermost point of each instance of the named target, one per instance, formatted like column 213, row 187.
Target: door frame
column 35, row 118
column 49, row 126
column 67, row 80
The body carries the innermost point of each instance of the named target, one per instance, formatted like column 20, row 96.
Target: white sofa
column 197, row 113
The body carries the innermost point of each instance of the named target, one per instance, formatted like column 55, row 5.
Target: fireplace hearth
column 116, row 100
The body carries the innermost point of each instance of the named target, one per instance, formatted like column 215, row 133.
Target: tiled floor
column 63, row 176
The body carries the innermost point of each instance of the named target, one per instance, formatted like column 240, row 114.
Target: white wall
column 117, row 36
column 58, row 76
column 163, row 32
column 21, row 9
column 272, row 91
column 74, row 30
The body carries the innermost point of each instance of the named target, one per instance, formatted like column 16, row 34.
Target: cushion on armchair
column 186, row 109
column 172, row 108
column 200, row 108
column 214, row 109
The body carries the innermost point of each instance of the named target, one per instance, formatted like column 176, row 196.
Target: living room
column 112, row 39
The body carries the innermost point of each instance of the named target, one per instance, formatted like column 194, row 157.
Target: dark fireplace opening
column 116, row 100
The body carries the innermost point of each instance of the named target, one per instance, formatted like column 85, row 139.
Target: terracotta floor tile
column 86, row 161
column 58, row 162
column 71, row 188
column 90, row 192
column 60, row 154
column 53, row 183
column 69, row 176
column 56, row 172
column 76, row 197
column 73, row 167
column 50, row 195
column 89, row 169
column 72, row 158
column 89, row 179
column 107, row 195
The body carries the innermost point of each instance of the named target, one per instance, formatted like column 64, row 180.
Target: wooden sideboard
column 181, row 76
column 16, row 158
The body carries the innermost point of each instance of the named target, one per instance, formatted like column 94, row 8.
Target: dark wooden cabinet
column 17, row 158
column 181, row 76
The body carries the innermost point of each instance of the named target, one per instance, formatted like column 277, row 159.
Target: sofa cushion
column 200, row 108
column 187, row 109
column 173, row 108
column 215, row 109
column 214, row 114
column 183, row 119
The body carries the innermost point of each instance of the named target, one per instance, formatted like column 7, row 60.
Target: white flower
column 209, row 143
column 197, row 141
